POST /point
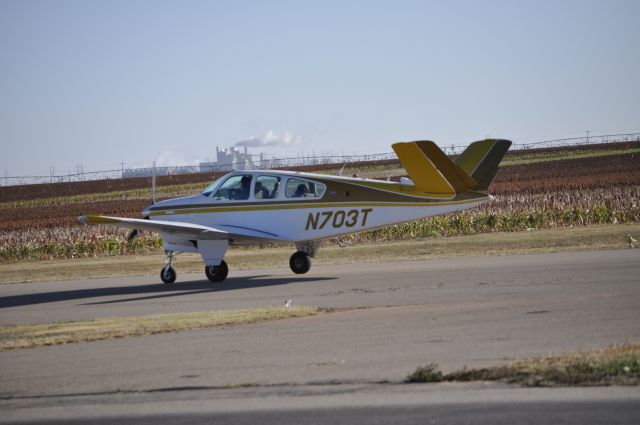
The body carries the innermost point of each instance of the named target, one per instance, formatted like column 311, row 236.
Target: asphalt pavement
column 473, row 312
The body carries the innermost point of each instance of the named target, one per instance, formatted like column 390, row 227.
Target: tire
column 168, row 275
column 217, row 273
column 300, row 262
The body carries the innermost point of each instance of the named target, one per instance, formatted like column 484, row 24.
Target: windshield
column 235, row 188
column 212, row 187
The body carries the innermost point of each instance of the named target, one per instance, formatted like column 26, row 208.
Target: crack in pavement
column 257, row 385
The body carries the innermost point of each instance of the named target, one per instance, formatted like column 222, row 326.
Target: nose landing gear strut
column 168, row 274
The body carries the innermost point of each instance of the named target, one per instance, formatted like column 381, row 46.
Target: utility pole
column 153, row 183
column 587, row 131
column 122, row 175
column 79, row 172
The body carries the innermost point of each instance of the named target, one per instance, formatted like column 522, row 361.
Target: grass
column 41, row 334
column 505, row 243
column 542, row 211
column 615, row 365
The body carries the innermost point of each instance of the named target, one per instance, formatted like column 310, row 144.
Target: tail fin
column 481, row 159
column 421, row 168
column 433, row 171
column 455, row 175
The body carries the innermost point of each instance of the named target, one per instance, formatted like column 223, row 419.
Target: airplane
column 264, row 206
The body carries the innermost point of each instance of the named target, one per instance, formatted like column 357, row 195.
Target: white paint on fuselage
column 295, row 224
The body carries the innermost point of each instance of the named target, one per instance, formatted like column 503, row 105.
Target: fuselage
column 293, row 206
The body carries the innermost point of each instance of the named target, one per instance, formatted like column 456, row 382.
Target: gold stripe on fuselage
column 303, row 205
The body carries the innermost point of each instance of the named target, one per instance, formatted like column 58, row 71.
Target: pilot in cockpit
column 245, row 184
column 301, row 191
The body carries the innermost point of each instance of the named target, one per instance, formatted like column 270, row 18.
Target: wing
column 182, row 229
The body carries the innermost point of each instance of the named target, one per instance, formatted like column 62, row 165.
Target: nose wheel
column 217, row 273
column 168, row 274
column 300, row 262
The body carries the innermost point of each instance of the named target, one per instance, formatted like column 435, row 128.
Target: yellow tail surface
column 425, row 174
column 481, row 160
column 433, row 171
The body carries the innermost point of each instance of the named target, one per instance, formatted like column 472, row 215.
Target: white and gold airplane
column 250, row 207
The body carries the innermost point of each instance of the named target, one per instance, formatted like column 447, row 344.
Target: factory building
column 229, row 159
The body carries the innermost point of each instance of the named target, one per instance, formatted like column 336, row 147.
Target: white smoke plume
column 168, row 158
column 270, row 139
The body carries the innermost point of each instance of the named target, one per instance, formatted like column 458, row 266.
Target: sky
column 97, row 83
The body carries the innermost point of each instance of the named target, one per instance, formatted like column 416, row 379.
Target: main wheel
column 300, row 262
column 217, row 273
column 168, row 275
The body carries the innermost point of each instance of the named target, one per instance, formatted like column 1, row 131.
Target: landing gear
column 217, row 273
column 168, row 274
column 300, row 262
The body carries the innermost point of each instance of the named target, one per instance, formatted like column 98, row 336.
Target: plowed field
column 553, row 193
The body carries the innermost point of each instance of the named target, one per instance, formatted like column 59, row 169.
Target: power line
column 300, row 160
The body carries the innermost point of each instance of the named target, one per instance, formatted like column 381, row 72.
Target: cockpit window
column 235, row 188
column 266, row 187
column 298, row 188
column 212, row 187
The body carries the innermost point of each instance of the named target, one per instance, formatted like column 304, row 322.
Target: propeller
column 134, row 234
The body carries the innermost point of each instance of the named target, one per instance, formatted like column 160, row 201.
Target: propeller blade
column 134, row 234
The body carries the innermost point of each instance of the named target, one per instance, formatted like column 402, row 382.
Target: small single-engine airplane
column 249, row 207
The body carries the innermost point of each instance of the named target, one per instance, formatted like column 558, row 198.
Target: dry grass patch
column 39, row 334
column 615, row 365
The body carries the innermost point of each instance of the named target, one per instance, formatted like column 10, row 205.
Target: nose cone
column 175, row 202
column 154, row 205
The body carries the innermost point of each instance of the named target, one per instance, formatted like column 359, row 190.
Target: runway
column 472, row 312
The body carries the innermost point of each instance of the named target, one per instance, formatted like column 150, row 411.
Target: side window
column 266, row 187
column 297, row 188
column 235, row 188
